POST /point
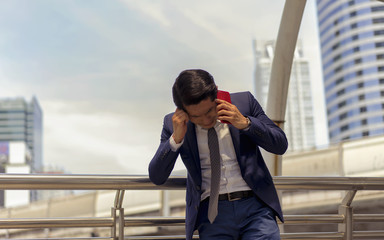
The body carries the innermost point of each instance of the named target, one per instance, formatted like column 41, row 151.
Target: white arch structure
column 281, row 71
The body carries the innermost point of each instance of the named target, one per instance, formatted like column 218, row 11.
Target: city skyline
column 103, row 72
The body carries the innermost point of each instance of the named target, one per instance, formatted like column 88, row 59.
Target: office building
column 15, row 157
column 299, row 125
column 352, row 50
column 20, row 139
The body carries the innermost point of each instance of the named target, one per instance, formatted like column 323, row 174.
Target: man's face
column 203, row 114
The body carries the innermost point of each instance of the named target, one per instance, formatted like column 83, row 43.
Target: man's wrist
column 248, row 124
column 174, row 145
column 177, row 141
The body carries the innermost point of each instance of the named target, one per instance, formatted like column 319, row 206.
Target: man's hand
column 229, row 112
column 179, row 121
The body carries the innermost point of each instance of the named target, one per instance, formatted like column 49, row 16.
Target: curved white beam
column 281, row 71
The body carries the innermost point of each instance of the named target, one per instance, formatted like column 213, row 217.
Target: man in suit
column 247, row 202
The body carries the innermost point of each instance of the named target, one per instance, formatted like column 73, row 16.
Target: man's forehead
column 201, row 108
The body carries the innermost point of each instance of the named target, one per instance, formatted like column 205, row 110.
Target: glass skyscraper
column 21, row 121
column 299, row 125
column 352, row 50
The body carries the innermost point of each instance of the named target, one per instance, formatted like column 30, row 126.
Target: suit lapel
column 191, row 141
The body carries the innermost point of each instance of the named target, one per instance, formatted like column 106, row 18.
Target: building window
column 336, row 22
column 356, row 49
column 379, row 44
column 340, row 80
column 341, row 92
column 344, row 128
column 358, row 60
column 379, row 56
column 343, row 116
column 378, row 20
column 378, row 9
column 378, row 32
column 353, row 14
column 345, row 138
column 360, row 85
column 359, row 73
column 381, row 81
column 363, row 109
column 338, row 69
column 334, row 47
column 380, row 69
column 361, row 97
column 364, row 122
column 336, row 58
column 342, row 104
column 365, row 133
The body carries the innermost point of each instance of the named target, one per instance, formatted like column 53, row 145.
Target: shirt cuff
column 175, row 146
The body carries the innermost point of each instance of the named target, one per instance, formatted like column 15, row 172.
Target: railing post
column 118, row 220
column 346, row 210
column 165, row 208
column 113, row 229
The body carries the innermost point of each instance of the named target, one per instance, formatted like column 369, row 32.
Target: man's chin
column 209, row 126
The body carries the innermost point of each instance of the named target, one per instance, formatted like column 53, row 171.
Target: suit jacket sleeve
column 263, row 131
column 164, row 160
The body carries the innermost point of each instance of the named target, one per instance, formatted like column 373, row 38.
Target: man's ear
column 183, row 108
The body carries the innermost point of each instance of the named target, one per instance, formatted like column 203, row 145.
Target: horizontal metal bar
column 121, row 182
column 153, row 221
column 368, row 234
column 85, row 182
column 368, row 217
column 180, row 221
column 292, row 236
column 175, row 237
column 312, row 235
column 18, row 223
column 78, row 238
column 329, row 183
column 313, row 219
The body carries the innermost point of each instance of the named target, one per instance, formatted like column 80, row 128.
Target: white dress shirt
column 231, row 179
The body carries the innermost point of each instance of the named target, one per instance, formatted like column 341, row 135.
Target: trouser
column 245, row 219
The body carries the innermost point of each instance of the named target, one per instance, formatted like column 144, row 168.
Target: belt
column 233, row 196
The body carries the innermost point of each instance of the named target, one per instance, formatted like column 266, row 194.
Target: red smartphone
column 224, row 95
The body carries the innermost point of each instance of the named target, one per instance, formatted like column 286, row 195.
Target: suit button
column 198, row 188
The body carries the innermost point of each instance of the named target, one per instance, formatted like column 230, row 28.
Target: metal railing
column 117, row 222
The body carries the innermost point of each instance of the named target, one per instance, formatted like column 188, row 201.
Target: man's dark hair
column 192, row 86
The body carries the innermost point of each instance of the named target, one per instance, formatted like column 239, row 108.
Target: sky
column 103, row 70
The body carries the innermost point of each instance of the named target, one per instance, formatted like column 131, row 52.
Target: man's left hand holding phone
column 229, row 113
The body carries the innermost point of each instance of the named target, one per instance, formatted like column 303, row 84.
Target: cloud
column 155, row 10
column 76, row 135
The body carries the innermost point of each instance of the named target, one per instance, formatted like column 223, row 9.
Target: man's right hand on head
column 179, row 120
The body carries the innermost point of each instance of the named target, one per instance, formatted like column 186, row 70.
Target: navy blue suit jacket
column 262, row 133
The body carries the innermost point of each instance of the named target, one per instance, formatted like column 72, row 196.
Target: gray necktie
column 214, row 152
